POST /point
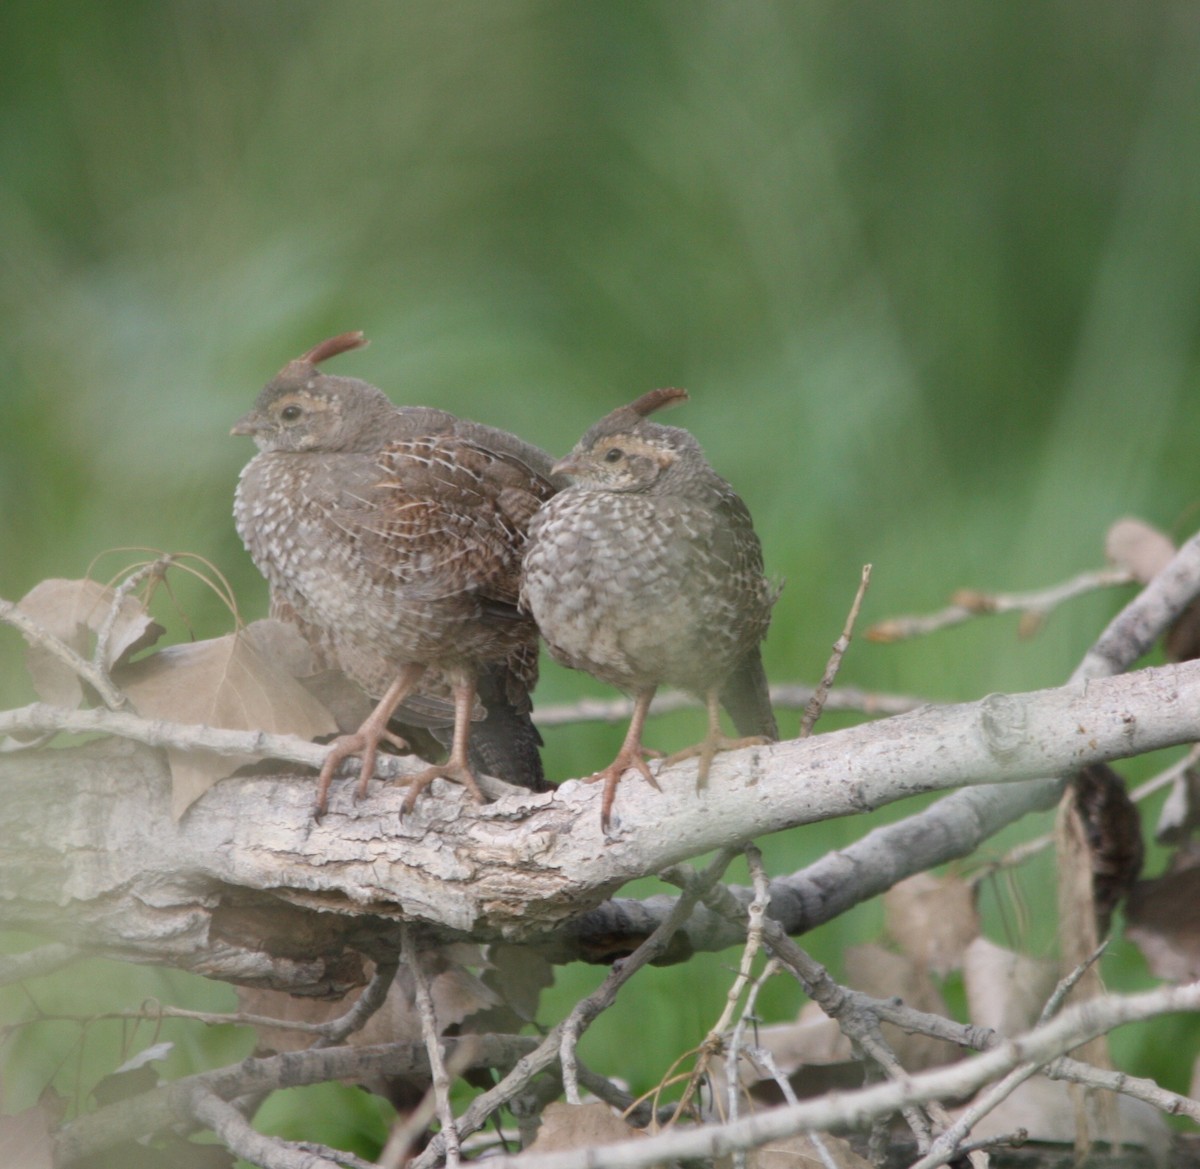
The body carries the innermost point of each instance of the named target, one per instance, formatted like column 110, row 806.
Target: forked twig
column 968, row 603
column 817, row 703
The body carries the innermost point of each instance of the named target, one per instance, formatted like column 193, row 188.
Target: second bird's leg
column 632, row 754
column 714, row 741
column 456, row 767
column 365, row 741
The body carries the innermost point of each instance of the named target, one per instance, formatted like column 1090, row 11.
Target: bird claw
column 360, row 742
column 456, row 772
column 709, row 747
column 634, row 760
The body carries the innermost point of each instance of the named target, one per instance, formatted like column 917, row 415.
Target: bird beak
column 249, row 424
column 571, row 465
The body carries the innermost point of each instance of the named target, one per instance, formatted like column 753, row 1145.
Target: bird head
column 302, row 409
column 625, row 452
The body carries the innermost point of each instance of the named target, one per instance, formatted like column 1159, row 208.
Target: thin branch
column 131, row 581
column 335, row 1031
column 714, row 1041
column 531, row 1065
column 969, row 603
column 35, row 963
column 170, row 1105
column 409, row 1129
column 433, row 1044
column 813, row 710
column 1042, row 1045
column 239, row 1137
column 586, row 1011
column 784, row 696
column 86, row 671
column 1166, row 777
column 754, row 914
column 949, row 1143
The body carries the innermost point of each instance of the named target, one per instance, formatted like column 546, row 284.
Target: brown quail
column 393, row 536
column 647, row 570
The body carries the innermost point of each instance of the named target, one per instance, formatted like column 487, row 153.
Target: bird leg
column 713, row 742
column 456, row 767
column 365, row 741
column 631, row 755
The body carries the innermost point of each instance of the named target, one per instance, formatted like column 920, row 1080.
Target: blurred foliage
column 929, row 271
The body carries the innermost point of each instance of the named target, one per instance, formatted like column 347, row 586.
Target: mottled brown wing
column 731, row 554
column 447, row 518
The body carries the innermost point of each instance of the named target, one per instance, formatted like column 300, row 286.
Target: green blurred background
column 930, row 272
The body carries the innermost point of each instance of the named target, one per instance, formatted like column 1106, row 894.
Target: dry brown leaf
column 813, row 1040
column 879, row 972
column 517, row 975
column 1143, row 550
column 25, row 1139
column 1079, row 847
column 579, row 1126
column 74, row 611
column 1139, row 548
column 1078, row 932
column 1181, row 809
column 1005, row 990
column 457, row 995
column 1162, row 918
column 811, row 1053
column 1046, row 1110
column 815, row 1055
column 1181, row 642
column 932, row 919
column 230, row 682
column 801, row 1152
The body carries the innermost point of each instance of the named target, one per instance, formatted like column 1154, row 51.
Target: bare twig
column 969, row 603
column 34, row 963
column 814, row 708
column 755, row 913
column 170, row 1105
column 784, row 696
column 433, row 1043
column 1068, row 982
column 950, row 1142
column 86, row 671
column 603, row 997
column 334, row 1031
column 714, row 1041
column 1072, row 1027
column 238, row 1137
column 409, row 1129
column 120, row 592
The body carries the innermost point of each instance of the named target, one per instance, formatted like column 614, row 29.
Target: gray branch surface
column 93, row 858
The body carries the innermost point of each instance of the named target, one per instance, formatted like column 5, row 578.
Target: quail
column 393, row 536
column 646, row 570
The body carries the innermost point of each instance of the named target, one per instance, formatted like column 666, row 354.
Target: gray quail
column 646, row 570
column 393, row 537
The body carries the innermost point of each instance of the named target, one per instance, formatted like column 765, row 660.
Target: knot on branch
column 1003, row 721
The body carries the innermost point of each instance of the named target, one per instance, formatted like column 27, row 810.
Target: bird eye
column 290, row 413
column 614, row 455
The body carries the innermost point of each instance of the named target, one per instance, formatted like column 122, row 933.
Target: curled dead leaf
column 932, row 919
column 1162, row 918
column 804, row 1149
column 580, row 1126
column 1138, row 547
column 238, row 682
column 74, row 611
column 1005, row 990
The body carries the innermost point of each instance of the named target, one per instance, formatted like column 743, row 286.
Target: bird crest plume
column 627, row 417
column 342, row 343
